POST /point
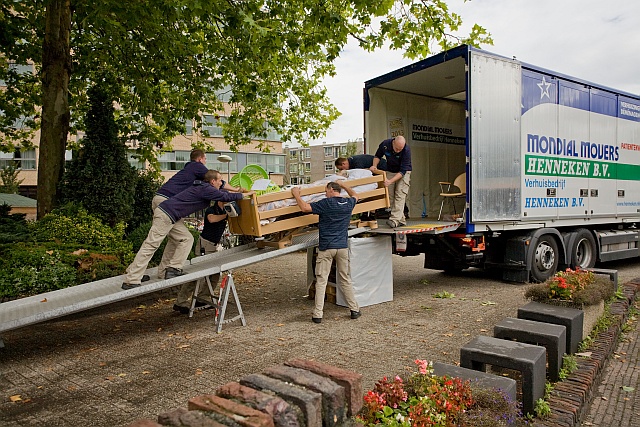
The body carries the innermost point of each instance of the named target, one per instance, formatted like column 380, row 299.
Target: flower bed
column 577, row 288
column 425, row 399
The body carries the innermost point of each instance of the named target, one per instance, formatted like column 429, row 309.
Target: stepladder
column 219, row 302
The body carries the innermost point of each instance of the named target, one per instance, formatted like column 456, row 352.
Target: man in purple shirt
column 168, row 216
column 194, row 169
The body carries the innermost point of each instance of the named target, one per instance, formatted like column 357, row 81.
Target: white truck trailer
column 552, row 163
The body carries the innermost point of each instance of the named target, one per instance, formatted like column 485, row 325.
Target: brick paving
column 136, row 359
column 616, row 400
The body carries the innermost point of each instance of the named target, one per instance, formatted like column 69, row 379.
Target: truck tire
column 583, row 251
column 545, row 257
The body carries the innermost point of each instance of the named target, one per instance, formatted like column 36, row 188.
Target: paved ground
column 617, row 399
column 135, row 359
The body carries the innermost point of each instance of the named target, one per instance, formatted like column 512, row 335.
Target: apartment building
column 309, row 164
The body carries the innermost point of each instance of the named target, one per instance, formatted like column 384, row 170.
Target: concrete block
column 243, row 415
column 309, row 402
column 282, row 413
column 552, row 337
column 333, row 396
column 529, row 359
column 351, row 381
column 570, row 318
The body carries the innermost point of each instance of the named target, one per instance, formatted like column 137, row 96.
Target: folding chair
column 447, row 191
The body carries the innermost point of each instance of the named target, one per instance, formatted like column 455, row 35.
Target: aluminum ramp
column 39, row 308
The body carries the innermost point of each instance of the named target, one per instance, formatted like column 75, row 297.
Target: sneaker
column 402, row 224
column 145, row 278
column 181, row 309
column 127, row 286
column 316, row 319
column 355, row 314
column 391, row 223
column 173, row 272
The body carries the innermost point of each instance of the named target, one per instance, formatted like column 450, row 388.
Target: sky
column 595, row 41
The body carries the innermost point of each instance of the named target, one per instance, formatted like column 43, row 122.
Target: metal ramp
column 39, row 308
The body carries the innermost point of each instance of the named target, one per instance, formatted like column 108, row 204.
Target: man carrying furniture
column 167, row 216
column 335, row 215
column 359, row 161
column 398, row 174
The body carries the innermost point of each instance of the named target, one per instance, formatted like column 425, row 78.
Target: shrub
column 578, row 287
column 74, row 225
column 424, row 399
column 28, row 270
column 146, row 186
column 13, row 227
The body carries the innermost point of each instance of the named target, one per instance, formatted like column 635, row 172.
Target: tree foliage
column 9, row 182
column 99, row 177
column 172, row 60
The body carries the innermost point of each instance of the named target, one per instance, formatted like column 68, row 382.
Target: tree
column 9, row 177
column 100, row 177
column 174, row 60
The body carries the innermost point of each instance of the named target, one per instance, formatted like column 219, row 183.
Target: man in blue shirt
column 168, row 216
column 398, row 174
column 335, row 215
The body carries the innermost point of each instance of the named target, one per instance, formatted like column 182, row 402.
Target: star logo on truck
column 544, row 88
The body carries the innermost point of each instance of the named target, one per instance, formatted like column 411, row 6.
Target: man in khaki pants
column 333, row 243
column 167, row 216
column 398, row 175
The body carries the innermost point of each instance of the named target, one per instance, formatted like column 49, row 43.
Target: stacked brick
column 300, row 393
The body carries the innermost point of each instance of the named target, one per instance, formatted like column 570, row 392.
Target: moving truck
column 550, row 164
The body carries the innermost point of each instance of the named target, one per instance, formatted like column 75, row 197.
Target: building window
column 340, row 151
column 133, row 161
column 25, row 160
column 294, row 180
column 293, row 169
column 188, row 127
column 293, row 154
column 307, row 167
column 307, row 153
column 212, row 125
column 222, row 167
column 329, row 166
column 307, row 180
column 276, row 164
column 301, row 155
column 328, row 151
column 173, row 160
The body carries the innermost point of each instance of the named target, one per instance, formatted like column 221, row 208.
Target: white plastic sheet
column 371, row 271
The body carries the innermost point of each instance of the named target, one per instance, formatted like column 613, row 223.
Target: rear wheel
column 545, row 257
column 583, row 252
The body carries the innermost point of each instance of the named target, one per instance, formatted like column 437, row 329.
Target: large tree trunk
column 56, row 71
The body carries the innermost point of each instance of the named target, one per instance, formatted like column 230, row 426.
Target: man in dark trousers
column 167, row 216
column 398, row 175
column 359, row 161
column 215, row 222
column 333, row 243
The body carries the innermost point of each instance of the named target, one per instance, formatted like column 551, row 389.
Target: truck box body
column 540, row 150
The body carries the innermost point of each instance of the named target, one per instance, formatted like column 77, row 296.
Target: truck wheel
column 583, row 252
column 545, row 259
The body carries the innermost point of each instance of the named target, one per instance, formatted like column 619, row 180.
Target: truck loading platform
column 50, row 305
